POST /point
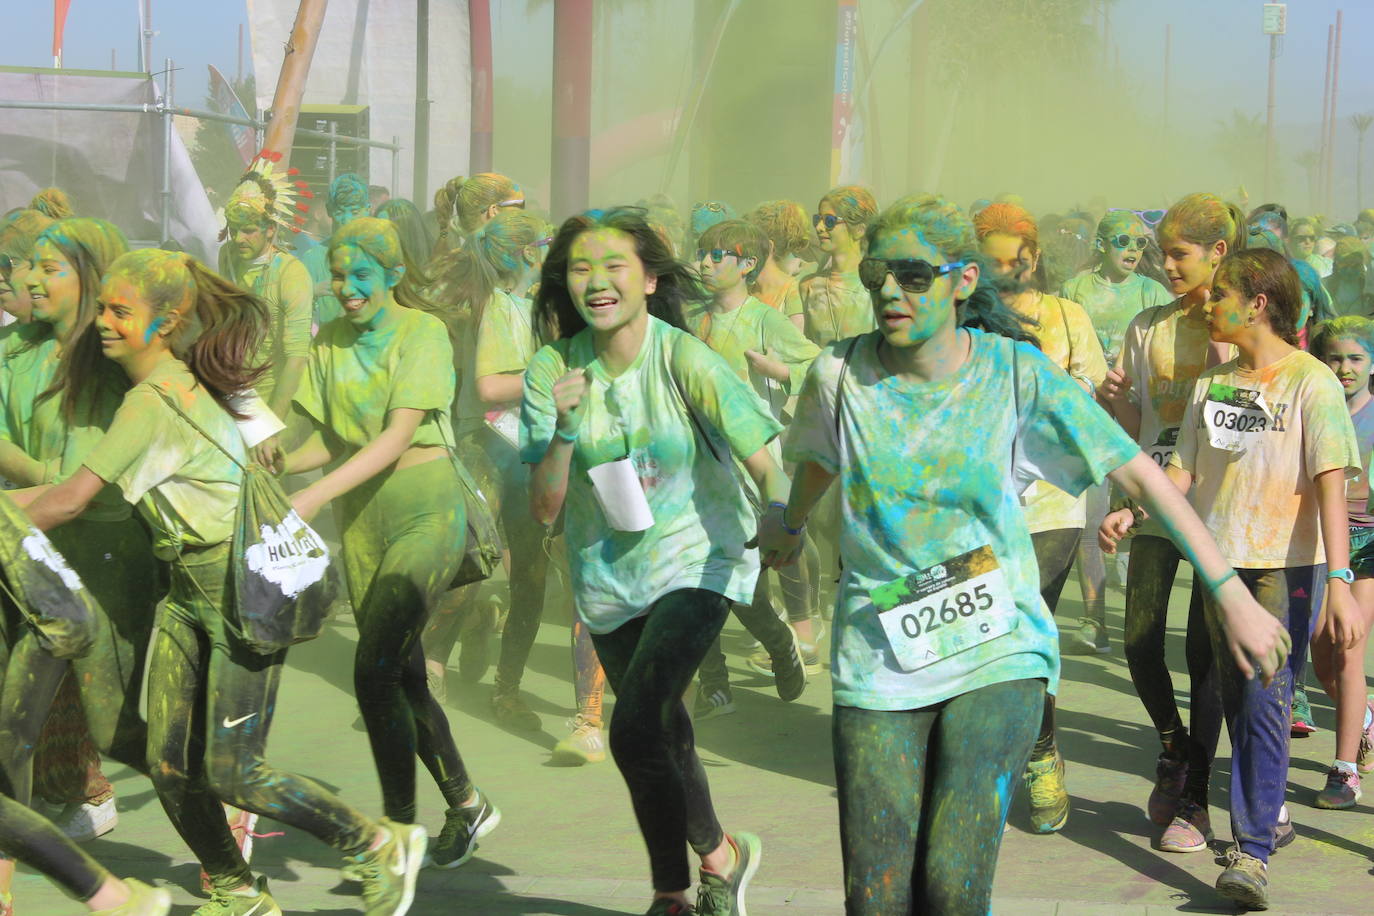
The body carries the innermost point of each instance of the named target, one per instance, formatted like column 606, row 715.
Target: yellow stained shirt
column 282, row 282
column 755, row 326
column 835, row 306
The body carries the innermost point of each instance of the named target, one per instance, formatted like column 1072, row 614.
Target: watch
column 1345, row 575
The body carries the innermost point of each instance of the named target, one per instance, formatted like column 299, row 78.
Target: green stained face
column 125, row 321
column 14, row 291
column 607, row 281
column 250, row 239
column 54, row 286
column 1228, row 313
column 342, row 216
column 1351, row 363
column 360, row 283
column 908, row 319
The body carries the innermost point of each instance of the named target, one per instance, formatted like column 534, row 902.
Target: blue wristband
column 558, row 431
column 782, row 518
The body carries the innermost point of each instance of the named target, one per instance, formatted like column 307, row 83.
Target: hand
column 1341, row 620
column 270, row 454
column 1114, row 528
column 1114, row 387
column 1255, row 637
column 569, row 399
column 768, row 365
column 777, row 547
column 307, row 505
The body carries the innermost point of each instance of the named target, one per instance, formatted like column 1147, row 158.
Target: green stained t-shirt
column 1111, row 306
column 930, row 471
column 836, row 306
column 355, row 377
column 505, row 343
column 185, row 486
column 756, row 326
column 702, row 518
column 28, row 363
column 283, row 284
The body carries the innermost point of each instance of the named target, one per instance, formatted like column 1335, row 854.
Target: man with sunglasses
column 1302, row 245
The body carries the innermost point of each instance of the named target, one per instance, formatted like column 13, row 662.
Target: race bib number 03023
column 945, row 609
column 1234, row 416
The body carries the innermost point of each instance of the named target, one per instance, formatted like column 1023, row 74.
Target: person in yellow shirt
column 789, row 238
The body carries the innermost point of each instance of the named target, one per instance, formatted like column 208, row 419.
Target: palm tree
column 1361, row 123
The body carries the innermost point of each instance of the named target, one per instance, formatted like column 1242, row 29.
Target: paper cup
column 621, row 495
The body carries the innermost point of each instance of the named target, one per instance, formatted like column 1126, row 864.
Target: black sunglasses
column 911, row 274
column 718, row 254
column 1304, row 238
column 1124, row 241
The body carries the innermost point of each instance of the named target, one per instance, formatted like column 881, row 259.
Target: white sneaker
column 83, row 822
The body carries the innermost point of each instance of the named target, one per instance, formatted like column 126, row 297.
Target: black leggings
column 924, row 796
column 1054, row 553
column 34, row 840
column 649, row 662
column 1149, row 580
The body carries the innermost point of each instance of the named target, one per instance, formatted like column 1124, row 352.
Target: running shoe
column 389, row 871
column 1364, row 759
column 1089, row 639
column 585, row 745
column 83, row 822
column 760, row 662
column 665, row 907
column 1049, row 799
column 463, row 827
column 1302, row 724
column 510, row 711
column 1245, row 880
column 143, row 901
column 789, row 671
column 1342, row 790
column 1189, row 831
column 1283, row 830
column 1171, row 774
column 255, row 901
column 717, row 896
column 713, row 705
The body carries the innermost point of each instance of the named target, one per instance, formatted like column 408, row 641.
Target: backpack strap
column 839, row 384
column 167, row 399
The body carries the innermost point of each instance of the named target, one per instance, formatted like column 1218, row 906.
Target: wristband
column 1216, row 586
column 1346, row 575
column 558, row 431
column 782, row 519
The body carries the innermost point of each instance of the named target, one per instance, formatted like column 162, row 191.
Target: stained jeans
column 649, row 662
column 1257, row 717
column 924, row 796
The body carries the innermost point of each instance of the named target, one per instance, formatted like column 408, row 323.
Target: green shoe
column 143, row 901
column 463, row 827
column 389, row 872
column 252, row 902
column 1245, row 880
column 717, row 896
column 1049, row 800
column 1302, row 724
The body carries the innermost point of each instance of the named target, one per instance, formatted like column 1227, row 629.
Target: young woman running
column 621, row 392
column 1347, row 346
column 1269, row 428
column 789, row 237
column 1009, row 241
column 943, row 648
column 182, row 336
column 1165, row 350
column 377, row 390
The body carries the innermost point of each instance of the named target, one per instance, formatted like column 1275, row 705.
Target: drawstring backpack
column 49, row 594
column 482, row 547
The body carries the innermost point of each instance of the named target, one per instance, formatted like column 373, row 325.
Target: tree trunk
column 286, row 103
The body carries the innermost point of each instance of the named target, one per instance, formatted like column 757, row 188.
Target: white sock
column 1283, row 813
column 1345, row 765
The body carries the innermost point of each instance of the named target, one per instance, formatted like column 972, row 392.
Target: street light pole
column 1275, row 24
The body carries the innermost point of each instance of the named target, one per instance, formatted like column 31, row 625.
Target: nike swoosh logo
column 228, row 723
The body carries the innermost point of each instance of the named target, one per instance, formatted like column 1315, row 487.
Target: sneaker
column 717, row 896
column 1283, row 830
column 388, row 872
column 713, row 705
column 1364, row 759
column 436, row 680
column 143, row 901
column 1171, row 774
column 1302, row 724
column 1189, row 831
column 789, row 671
column 584, row 745
column 1342, row 790
column 1089, row 639
column 665, row 907
column 512, row 712
column 1245, row 880
column 83, row 822
column 255, row 901
column 1049, row 800
column 761, row 662
column 463, row 827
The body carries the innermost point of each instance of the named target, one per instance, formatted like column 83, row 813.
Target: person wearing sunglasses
column 1268, row 228
column 1009, row 241
column 834, row 303
column 944, row 650
column 463, row 204
column 1302, row 245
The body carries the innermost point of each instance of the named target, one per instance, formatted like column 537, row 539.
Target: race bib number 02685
column 945, row 609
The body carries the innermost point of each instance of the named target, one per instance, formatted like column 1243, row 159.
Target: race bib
column 945, row 609
column 1234, row 416
column 506, row 424
column 1164, row 446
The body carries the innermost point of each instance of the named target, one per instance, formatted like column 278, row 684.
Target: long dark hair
column 218, row 326
column 946, row 227
column 556, row 317
column 1257, row 271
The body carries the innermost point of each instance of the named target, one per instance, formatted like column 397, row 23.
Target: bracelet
column 558, row 431
column 782, row 519
column 1216, row 586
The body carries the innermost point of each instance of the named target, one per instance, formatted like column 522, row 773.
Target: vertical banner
column 59, row 25
column 846, row 36
column 224, row 100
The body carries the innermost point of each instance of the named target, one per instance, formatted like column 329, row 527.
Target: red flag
column 59, row 24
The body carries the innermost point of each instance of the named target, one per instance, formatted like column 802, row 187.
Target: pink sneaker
column 1189, row 831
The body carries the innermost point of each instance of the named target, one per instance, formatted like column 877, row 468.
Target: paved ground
column 568, row 845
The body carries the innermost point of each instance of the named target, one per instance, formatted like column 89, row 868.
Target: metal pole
column 168, row 86
column 333, row 153
column 421, row 158
column 1319, row 192
column 395, row 160
column 1269, row 121
column 238, row 78
column 147, row 36
column 113, row 65
column 1331, row 126
column 479, row 50
column 1168, row 57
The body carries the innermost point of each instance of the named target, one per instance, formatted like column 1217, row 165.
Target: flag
column 225, row 101
column 59, row 24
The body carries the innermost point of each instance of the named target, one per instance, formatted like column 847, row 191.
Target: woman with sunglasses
column 616, row 414
column 1165, row 349
column 1302, row 245
column 944, row 650
column 1009, row 242
column 463, row 204
column 834, row 303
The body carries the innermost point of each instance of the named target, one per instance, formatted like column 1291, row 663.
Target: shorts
column 1362, row 552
